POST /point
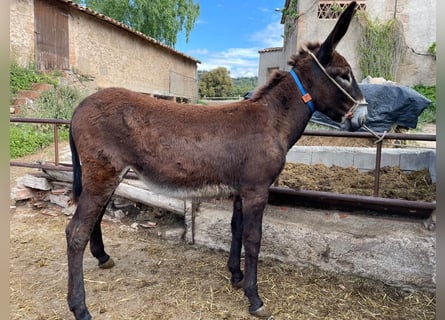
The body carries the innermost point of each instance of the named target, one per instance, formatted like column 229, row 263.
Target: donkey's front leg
column 234, row 264
column 253, row 207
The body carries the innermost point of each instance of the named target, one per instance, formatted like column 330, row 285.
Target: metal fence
column 420, row 207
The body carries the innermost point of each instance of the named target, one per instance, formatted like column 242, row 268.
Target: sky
column 229, row 33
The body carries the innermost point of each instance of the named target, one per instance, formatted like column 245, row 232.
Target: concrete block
column 331, row 156
column 415, row 160
column 390, row 158
column 299, row 154
column 399, row 253
column 364, row 158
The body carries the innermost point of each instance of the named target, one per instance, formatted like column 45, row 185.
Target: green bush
column 429, row 114
column 22, row 78
column 57, row 103
column 25, row 139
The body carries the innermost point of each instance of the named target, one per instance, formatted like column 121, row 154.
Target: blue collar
column 306, row 97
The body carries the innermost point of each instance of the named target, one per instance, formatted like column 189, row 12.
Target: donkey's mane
column 309, row 46
column 278, row 75
column 275, row 79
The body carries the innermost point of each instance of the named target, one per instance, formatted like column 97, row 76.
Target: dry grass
column 153, row 279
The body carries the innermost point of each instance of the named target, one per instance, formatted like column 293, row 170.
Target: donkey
column 191, row 151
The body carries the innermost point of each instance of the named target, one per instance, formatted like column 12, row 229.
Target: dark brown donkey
column 197, row 152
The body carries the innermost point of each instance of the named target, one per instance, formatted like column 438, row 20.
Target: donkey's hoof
column 239, row 284
column 107, row 264
column 262, row 313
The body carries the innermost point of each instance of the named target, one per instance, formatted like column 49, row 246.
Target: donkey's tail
column 77, row 170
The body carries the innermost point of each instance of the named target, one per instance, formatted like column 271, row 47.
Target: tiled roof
column 274, row 49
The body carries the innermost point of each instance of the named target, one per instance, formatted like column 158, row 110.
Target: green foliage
column 215, row 83
column 432, row 48
column 27, row 138
column 243, row 85
column 380, row 48
column 159, row 19
column 291, row 15
column 57, row 103
column 21, row 78
column 429, row 114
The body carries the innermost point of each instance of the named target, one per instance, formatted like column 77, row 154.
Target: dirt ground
column 155, row 279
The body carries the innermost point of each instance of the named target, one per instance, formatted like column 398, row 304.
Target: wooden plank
column 135, row 190
column 34, row 182
column 189, row 221
column 150, row 198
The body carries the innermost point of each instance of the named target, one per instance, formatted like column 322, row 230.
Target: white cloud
column 270, row 36
column 243, row 62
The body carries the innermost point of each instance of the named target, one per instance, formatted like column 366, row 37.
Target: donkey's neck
column 291, row 114
column 300, row 119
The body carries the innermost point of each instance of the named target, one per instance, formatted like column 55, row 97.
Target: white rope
column 335, row 82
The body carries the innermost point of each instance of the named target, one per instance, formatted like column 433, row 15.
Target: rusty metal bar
column 39, row 120
column 356, row 202
column 394, row 205
column 360, row 134
column 56, row 144
column 378, row 158
column 41, row 166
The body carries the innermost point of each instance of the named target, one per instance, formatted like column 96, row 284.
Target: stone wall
column 115, row 57
column 417, row 66
column 110, row 54
column 22, row 31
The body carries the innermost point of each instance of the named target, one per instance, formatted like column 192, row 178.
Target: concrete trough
column 398, row 253
column 408, row 159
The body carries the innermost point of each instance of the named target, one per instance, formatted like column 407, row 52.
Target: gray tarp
column 388, row 105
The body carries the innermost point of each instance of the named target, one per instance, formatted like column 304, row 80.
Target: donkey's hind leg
column 97, row 245
column 79, row 230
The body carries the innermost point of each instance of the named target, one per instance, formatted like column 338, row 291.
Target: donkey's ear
column 328, row 46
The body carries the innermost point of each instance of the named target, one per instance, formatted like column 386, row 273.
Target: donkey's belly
column 185, row 192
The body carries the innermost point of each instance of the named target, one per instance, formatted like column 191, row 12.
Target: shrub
column 26, row 139
column 429, row 114
column 57, row 103
column 22, row 78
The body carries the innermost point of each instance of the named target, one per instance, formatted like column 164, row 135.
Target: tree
column 215, row 83
column 159, row 19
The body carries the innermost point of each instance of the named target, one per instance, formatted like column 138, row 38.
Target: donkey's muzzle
column 356, row 119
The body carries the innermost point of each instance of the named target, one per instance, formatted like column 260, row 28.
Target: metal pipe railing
column 393, row 203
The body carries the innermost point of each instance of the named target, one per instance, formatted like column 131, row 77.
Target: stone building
column 316, row 18
column 61, row 35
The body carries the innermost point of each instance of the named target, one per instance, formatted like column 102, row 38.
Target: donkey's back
column 182, row 150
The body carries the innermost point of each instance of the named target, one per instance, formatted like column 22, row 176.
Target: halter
column 356, row 103
column 306, row 97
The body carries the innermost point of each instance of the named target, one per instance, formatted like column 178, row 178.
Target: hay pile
column 394, row 183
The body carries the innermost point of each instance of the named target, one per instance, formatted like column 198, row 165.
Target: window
column 331, row 9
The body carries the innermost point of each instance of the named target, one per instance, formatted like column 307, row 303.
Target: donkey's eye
column 345, row 77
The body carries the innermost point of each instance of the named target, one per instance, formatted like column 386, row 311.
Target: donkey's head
column 329, row 77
